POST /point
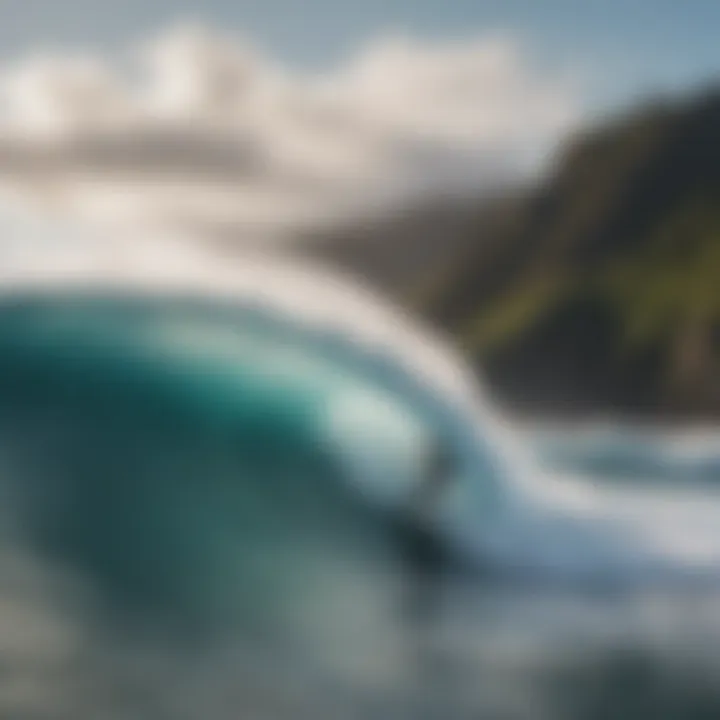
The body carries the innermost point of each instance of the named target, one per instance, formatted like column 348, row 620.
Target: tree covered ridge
column 599, row 290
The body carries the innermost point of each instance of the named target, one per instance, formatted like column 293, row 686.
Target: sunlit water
column 201, row 473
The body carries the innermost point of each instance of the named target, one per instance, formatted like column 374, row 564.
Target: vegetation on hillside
column 598, row 290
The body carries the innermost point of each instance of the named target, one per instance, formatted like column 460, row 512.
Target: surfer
column 422, row 546
column 422, row 549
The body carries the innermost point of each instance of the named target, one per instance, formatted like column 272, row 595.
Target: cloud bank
column 198, row 133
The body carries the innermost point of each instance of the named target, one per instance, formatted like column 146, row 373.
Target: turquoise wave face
column 196, row 460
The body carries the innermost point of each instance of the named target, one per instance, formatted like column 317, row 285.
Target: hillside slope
column 597, row 291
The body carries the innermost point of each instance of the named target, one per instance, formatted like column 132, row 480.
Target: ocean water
column 200, row 475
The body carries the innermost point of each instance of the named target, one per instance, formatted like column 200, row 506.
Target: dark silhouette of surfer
column 421, row 545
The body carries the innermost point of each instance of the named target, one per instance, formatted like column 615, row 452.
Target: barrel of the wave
column 173, row 435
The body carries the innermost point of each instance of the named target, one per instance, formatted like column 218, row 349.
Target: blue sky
column 622, row 48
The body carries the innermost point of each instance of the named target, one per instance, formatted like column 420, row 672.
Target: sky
column 248, row 121
column 623, row 47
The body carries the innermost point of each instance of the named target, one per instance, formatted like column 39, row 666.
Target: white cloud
column 201, row 133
